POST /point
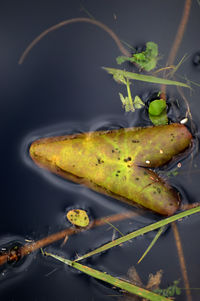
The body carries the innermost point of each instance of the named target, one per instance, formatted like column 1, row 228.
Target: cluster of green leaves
column 124, row 77
column 171, row 291
column 146, row 60
column 158, row 112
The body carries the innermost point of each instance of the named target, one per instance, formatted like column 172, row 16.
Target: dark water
column 61, row 88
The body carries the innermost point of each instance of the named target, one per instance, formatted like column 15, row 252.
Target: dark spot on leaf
column 127, row 159
column 135, row 141
column 159, row 190
column 137, row 179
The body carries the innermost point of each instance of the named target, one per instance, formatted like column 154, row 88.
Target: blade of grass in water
column 145, row 78
column 160, row 231
column 122, row 284
column 141, row 231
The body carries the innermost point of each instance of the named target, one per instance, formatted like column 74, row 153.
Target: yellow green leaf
column 78, row 217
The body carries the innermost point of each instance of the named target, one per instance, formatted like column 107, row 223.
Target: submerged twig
column 31, row 247
column 180, row 32
column 70, row 21
column 178, row 39
column 182, row 261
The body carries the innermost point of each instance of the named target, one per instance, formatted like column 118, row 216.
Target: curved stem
column 70, row 21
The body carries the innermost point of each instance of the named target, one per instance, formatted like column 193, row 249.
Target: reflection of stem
column 129, row 95
column 180, row 32
column 178, row 39
column 75, row 20
column 31, row 247
column 182, row 260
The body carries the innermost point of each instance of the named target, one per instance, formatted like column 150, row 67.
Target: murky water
column 61, row 89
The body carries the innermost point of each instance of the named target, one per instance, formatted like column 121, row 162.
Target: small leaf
column 158, row 112
column 126, row 103
column 119, row 78
column 178, row 291
column 123, row 99
column 121, row 59
column 157, row 106
column 78, row 217
column 150, row 65
column 138, row 103
column 153, row 48
column 159, row 120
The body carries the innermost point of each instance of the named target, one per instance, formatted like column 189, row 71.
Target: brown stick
column 178, row 39
column 31, row 247
column 70, row 21
column 180, row 32
column 182, row 260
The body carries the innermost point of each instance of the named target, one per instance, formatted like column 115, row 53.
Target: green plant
column 158, row 112
column 145, row 60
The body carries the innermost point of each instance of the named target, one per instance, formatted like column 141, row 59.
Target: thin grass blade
column 122, row 284
column 158, row 234
column 141, row 231
column 145, row 78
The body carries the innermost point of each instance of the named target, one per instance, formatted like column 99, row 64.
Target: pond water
column 60, row 89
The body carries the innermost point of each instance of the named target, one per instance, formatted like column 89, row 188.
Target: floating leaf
column 117, row 162
column 158, row 112
column 157, row 106
column 78, row 217
column 162, row 119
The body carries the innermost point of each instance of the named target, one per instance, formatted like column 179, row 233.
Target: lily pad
column 157, row 106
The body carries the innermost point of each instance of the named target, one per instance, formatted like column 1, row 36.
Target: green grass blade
column 160, row 231
column 145, row 78
column 122, row 284
column 141, row 231
column 116, row 229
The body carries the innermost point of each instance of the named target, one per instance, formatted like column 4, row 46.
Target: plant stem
column 129, row 94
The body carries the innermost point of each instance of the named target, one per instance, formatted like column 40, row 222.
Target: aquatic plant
column 118, row 162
